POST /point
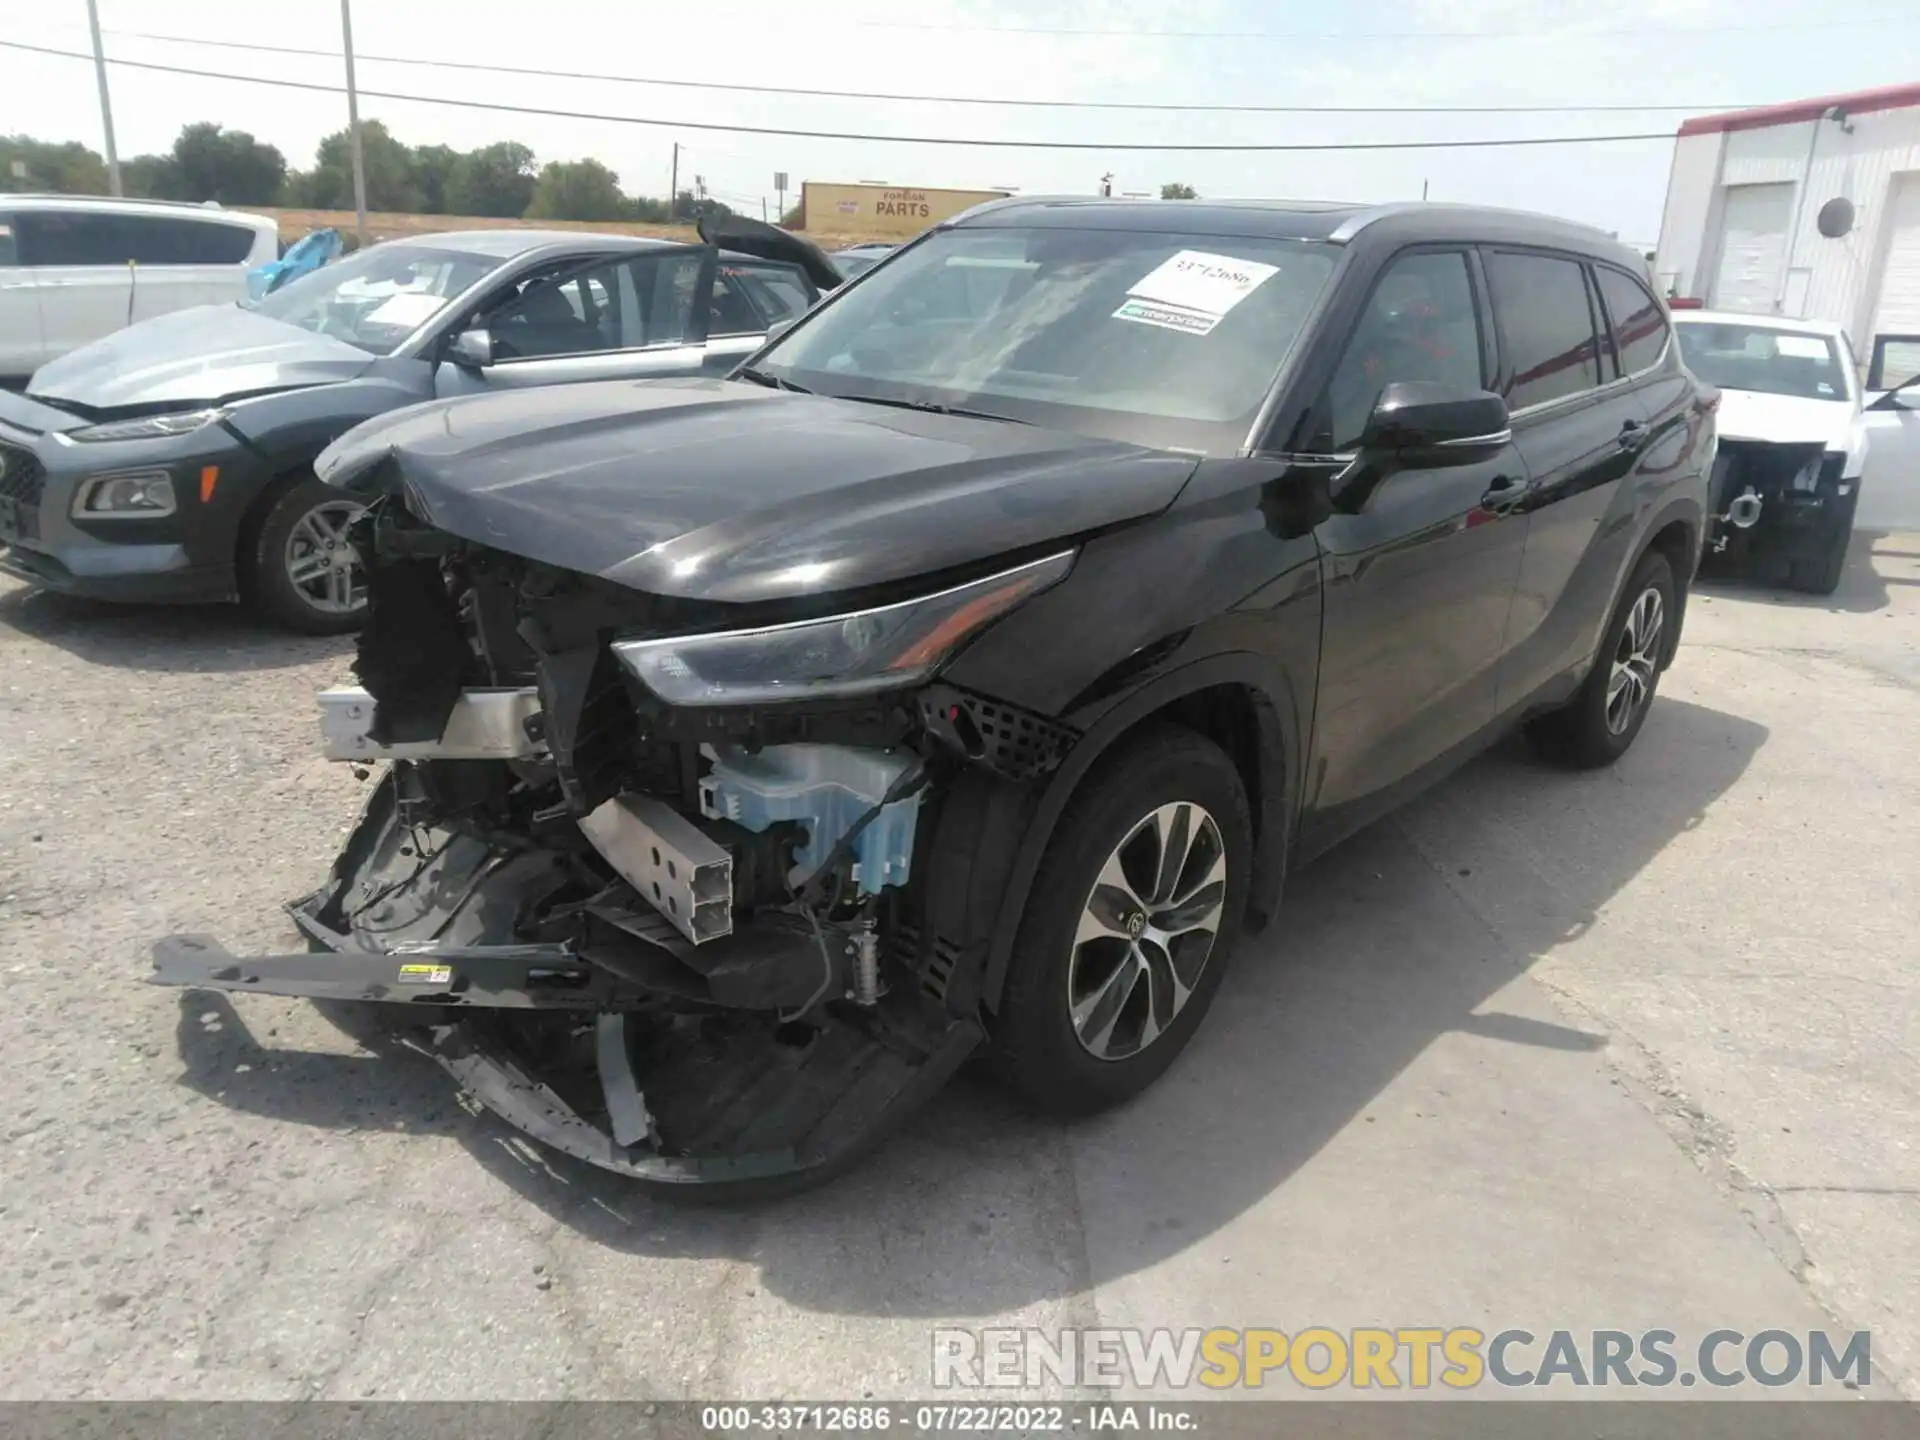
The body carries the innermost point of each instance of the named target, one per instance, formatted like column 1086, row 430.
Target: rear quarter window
column 1639, row 329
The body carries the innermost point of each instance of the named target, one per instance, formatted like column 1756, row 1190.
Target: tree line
column 210, row 162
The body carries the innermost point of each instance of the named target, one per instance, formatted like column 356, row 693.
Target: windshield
column 1163, row 338
column 380, row 296
column 1772, row 362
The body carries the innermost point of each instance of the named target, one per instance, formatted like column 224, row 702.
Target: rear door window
column 779, row 291
column 1639, row 329
column 77, row 238
column 55, row 237
column 9, row 252
column 1546, row 322
column 730, row 310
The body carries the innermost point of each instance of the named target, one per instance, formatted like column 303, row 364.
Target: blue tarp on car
column 305, row 255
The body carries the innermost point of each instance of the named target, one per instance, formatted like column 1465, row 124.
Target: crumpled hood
column 726, row 491
column 1785, row 419
column 194, row 357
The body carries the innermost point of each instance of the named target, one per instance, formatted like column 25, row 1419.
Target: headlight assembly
column 857, row 654
column 148, row 427
column 133, row 495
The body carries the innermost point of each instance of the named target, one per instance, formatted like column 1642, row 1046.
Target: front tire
column 1127, row 932
column 299, row 569
column 1599, row 724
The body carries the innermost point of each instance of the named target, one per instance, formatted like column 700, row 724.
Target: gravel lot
column 1629, row 1049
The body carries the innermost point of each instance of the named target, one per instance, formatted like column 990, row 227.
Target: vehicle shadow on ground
column 977, row 1208
column 1863, row 584
column 187, row 639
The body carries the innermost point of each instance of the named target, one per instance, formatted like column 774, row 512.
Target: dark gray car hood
column 722, row 490
column 194, row 357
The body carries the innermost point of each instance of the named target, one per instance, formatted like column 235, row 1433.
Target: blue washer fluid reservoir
column 826, row 788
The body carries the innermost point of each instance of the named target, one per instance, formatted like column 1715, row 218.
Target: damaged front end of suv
column 680, row 886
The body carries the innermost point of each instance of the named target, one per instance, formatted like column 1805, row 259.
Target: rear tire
column 1095, row 1009
column 297, row 568
column 1599, row 724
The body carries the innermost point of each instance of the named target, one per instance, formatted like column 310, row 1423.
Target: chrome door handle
column 1504, row 492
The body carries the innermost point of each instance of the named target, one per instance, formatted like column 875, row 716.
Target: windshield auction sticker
column 1193, row 291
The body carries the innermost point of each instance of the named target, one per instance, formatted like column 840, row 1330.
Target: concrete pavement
column 1618, row 1050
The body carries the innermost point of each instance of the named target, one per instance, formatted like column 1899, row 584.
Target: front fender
column 291, row 428
column 1278, row 755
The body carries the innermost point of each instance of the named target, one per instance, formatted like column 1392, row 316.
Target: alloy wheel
column 1146, row 931
column 320, row 560
column 1635, row 660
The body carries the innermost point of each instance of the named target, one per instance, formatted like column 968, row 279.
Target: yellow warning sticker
column 426, row 974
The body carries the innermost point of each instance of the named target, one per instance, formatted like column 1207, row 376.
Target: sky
column 1705, row 55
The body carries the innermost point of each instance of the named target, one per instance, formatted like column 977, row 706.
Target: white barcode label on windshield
column 1193, row 291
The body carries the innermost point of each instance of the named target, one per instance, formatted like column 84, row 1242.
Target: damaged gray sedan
column 962, row 672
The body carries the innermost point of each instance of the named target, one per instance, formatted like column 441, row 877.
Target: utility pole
column 673, row 186
column 353, row 126
column 106, row 106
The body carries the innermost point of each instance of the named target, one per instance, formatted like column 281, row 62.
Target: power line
column 1503, row 34
column 923, row 99
column 995, row 144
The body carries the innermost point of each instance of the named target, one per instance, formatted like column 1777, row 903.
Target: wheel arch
column 1237, row 701
column 283, row 472
column 1677, row 536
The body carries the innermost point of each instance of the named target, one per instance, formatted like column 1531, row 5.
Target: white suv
column 74, row 268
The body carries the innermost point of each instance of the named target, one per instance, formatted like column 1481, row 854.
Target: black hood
column 721, row 490
column 195, row 357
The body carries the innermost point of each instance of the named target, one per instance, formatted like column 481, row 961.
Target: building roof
column 1887, row 97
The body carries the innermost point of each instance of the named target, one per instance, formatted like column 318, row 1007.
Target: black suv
column 967, row 669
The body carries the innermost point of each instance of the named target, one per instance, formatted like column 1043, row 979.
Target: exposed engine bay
column 727, row 937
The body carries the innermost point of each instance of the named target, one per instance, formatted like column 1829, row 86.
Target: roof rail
column 1375, row 213
column 108, row 200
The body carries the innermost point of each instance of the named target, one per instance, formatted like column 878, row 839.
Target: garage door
column 1899, row 311
column 1753, row 247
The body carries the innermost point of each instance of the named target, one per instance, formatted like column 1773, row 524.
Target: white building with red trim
column 1809, row 210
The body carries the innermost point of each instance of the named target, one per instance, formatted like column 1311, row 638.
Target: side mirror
column 779, row 328
column 472, row 349
column 1421, row 425
column 1429, row 425
column 1898, row 398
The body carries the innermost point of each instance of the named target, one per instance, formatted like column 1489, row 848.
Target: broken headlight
column 879, row 649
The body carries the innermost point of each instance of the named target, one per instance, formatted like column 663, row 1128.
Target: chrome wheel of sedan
column 1147, row 930
column 1636, row 660
column 321, row 565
